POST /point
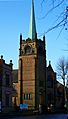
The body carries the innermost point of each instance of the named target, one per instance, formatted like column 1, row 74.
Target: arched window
column 28, row 50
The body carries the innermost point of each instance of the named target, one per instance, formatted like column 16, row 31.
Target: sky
column 15, row 19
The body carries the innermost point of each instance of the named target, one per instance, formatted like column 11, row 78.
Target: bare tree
column 62, row 16
column 62, row 71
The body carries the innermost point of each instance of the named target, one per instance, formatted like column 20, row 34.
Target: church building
column 32, row 68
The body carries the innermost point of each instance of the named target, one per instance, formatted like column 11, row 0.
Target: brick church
column 31, row 71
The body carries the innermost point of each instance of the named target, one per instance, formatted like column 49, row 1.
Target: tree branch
column 54, row 7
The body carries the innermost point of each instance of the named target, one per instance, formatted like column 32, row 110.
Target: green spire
column 32, row 30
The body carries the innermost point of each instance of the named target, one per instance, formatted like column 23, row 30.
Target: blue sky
column 15, row 19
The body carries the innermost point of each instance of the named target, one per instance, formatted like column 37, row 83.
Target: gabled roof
column 49, row 68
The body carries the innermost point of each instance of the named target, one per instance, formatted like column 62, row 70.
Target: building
column 55, row 92
column 60, row 97
column 5, row 86
column 51, row 87
column 14, row 89
column 31, row 71
column 34, row 84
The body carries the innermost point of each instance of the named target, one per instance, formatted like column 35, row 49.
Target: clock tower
column 32, row 68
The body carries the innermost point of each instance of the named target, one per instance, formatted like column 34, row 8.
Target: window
column 7, row 100
column 27, row 96
column 30, row 96
column 7, row 80
column 28, row 50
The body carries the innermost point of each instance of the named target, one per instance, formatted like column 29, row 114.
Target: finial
column 44, row 38
column 1, row 56
column 11, row 64
column 10, row 61
column 20, row 38
column 49, row 62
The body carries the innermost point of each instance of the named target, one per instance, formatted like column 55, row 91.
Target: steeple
column 32, row 30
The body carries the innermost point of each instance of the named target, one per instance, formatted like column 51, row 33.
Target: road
column 52, row 116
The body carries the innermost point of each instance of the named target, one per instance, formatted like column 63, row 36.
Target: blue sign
column 23, row 106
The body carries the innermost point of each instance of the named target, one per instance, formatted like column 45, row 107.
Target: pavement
column 54, row 116
column 48, row 116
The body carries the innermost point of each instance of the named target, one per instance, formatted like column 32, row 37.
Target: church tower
column 32, row 65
